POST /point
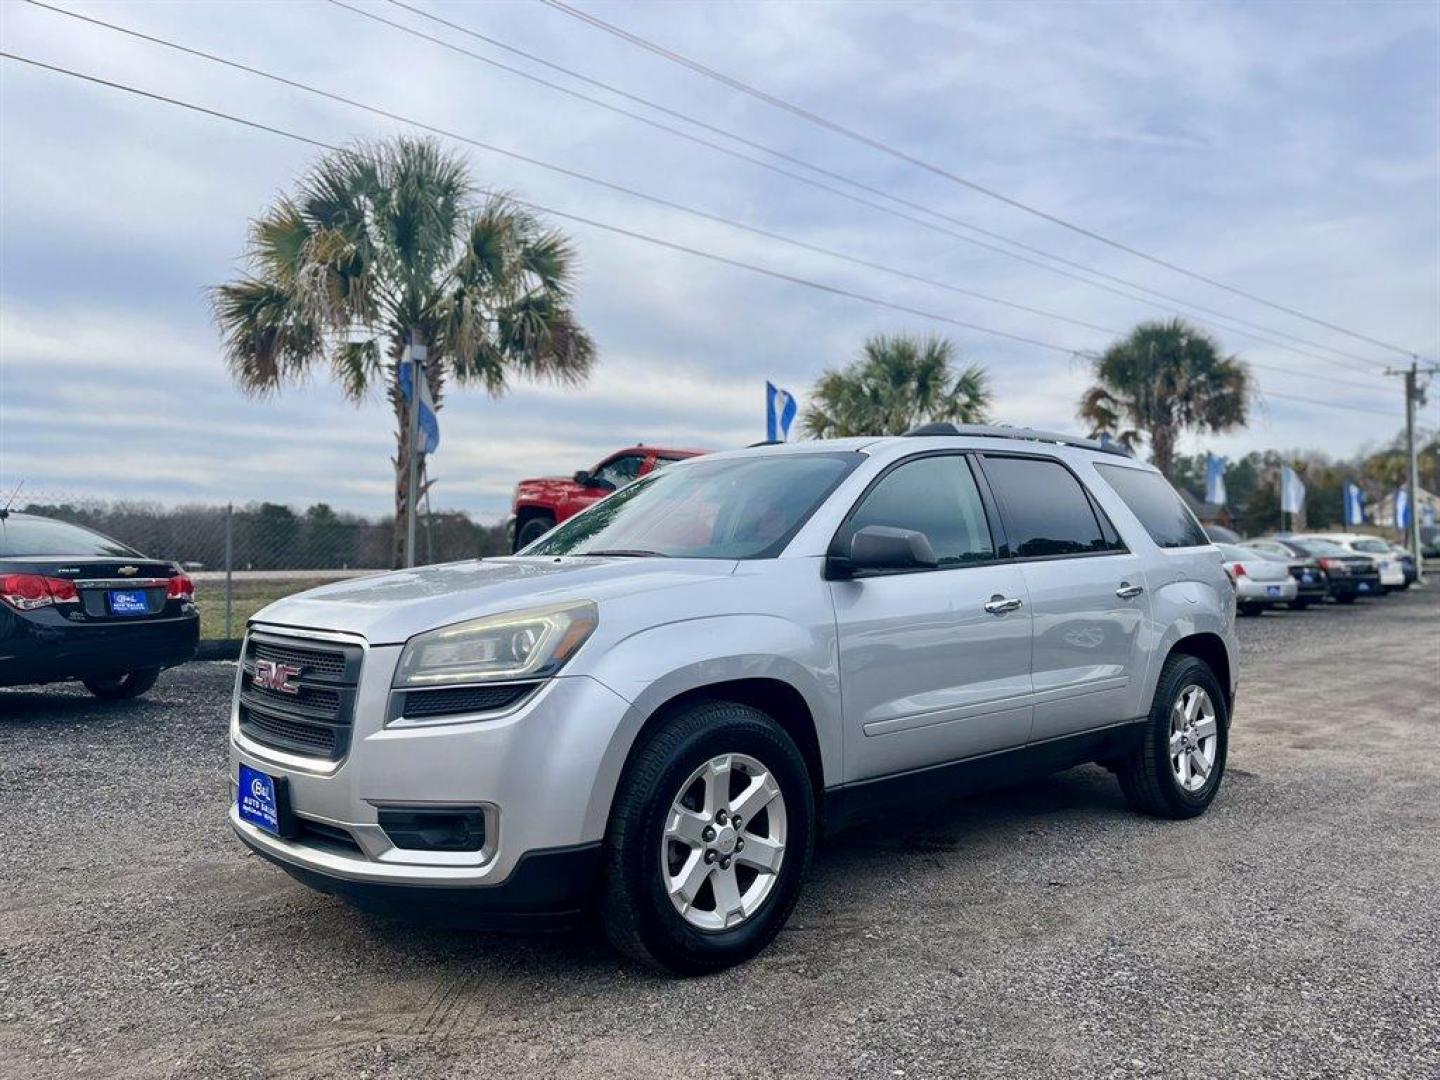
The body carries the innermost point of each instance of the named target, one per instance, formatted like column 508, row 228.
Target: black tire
column 1146, row 776
column 1299, row 605
column 532, row 528
column 1345, row 598
column 1250, row 609
column 122, row 687
column 636, row 912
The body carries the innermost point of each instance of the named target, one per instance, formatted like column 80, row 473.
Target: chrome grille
column 315, row 721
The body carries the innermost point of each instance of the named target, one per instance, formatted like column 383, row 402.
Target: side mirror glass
column 880, row 548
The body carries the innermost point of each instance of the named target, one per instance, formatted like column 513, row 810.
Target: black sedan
column 1347, row 575
column 77, row 605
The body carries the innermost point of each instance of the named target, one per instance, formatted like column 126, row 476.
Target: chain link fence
column 243, row 557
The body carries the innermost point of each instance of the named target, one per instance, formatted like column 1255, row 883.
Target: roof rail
column 1004, row 431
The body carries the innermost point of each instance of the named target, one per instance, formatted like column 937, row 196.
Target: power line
column 882, row 208
column 376, row 110
column 893, row 151
column 608, row 227
column 574, row 174
column 1329, row 404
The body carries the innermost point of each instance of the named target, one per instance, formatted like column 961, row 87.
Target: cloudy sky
column 1287, row 149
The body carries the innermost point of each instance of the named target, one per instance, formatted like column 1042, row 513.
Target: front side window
column 936, row 496
column 1047, row 512
column 621, row 471
column 45, row 537
column 1372, row 547
column 1153, row 501
column 709, row 508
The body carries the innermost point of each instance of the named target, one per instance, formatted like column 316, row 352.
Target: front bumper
column 539, row 772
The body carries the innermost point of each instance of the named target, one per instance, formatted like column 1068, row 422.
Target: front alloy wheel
column 710, row 835
column 724, row 842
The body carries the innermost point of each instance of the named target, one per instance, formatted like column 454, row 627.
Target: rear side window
column 936, row 496
column 1047, row 512
column 1154, row 502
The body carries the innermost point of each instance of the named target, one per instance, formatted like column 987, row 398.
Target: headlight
column 519, row 645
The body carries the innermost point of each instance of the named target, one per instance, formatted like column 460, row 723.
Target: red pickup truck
column 544, row 502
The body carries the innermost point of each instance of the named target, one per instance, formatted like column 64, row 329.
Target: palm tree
column 898, row 382
column 384, row 243
column 1162, row 379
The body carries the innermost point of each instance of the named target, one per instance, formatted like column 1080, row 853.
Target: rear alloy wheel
column 122, row 687
column 709, row 839
column 1179, row 764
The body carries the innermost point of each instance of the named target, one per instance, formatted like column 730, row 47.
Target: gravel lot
column 1039, row 931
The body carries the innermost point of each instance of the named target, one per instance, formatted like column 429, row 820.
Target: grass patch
column 251, row 594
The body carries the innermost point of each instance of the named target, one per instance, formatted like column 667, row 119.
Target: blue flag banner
column 1292, row 490
column 429, row 422
column 1354, row 505
column 779, row 412
column 1402, row 509
column 1215, row 480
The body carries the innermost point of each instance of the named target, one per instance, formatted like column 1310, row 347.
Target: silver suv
column 654, row 709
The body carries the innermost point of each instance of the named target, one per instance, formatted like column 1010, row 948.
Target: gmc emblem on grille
column 272, row 676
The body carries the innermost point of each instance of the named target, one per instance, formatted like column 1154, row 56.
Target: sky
column 1289, row 150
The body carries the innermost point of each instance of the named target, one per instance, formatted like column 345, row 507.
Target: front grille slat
column 316, row 720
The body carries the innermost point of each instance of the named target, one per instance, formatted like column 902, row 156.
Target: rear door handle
column 1126, row 590
column 999, row 605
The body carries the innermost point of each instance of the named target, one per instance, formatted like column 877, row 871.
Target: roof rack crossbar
column 1001, row 431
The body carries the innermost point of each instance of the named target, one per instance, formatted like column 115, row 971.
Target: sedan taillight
column 1237, row 569
column 1334, row 566
column 180, row 588
column 26, row 592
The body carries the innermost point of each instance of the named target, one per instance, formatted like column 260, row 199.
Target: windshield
column 707, row 508
column 45, row 537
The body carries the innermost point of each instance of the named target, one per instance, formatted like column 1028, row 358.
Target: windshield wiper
column 627, row 553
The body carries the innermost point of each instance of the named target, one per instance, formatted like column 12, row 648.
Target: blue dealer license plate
column 258, row 801
column 128, row 602
column 1272, row 590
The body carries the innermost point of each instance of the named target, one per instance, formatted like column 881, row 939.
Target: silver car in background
column 1261, row 580
column 655, row 709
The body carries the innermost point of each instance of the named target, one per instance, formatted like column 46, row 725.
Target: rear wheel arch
column 1211, row 649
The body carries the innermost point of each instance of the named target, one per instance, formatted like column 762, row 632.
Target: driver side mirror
column 880, row 548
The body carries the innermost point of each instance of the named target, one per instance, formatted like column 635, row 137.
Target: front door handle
column 999, row 605
column 1126, row 590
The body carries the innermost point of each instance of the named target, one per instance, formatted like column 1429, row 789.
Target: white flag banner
column 1292, row 491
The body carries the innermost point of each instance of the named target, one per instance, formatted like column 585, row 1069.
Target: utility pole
column 412, row 504
column 1413, row 395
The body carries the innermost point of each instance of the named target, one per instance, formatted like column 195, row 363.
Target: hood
column 390, row 608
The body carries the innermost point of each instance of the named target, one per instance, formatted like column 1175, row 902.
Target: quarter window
column 1047, row 512
column 1154, row 502
column 935, row 496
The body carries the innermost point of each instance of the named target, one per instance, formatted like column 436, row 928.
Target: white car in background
column 1261, row 580
column 1392, row 570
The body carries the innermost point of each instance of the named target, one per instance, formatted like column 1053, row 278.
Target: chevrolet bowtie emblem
column 128, row 570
